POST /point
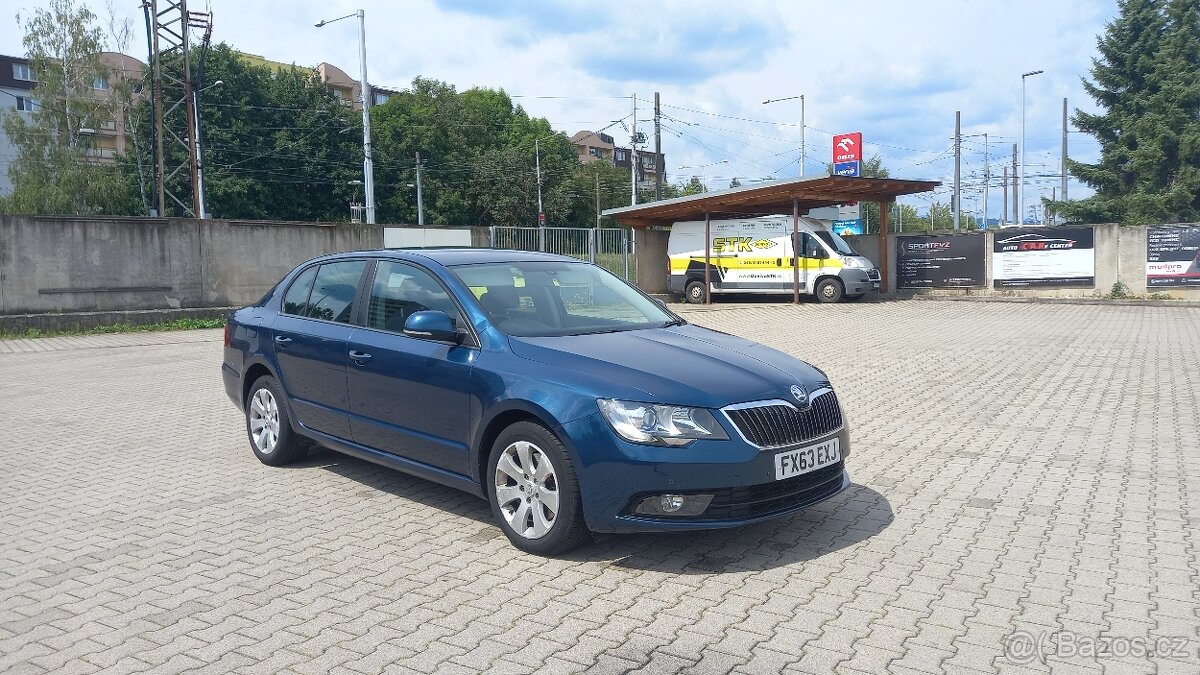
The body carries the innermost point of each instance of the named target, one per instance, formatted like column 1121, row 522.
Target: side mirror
column 431, row 325
column 660, row 302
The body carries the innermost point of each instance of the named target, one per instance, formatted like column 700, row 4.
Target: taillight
column 227, row 329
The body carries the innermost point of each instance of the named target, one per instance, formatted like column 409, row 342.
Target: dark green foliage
column 1147, row 82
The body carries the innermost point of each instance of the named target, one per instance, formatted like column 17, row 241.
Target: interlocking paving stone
column 1016, row 468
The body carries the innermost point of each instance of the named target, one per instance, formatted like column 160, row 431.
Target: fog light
column 674, row 505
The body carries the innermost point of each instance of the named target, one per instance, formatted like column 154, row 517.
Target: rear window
column 325, row 292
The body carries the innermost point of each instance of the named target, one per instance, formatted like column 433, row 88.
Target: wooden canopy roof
column 766, row 199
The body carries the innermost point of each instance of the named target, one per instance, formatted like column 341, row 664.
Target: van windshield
column 835, row 242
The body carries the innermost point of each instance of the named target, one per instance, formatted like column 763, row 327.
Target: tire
column 268, row 426
column 695, row 293
column 531, row 524
column 829, row 289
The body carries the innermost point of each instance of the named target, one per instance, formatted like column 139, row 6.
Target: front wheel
column 696, row 293
column 534, row 491
column 829, row 290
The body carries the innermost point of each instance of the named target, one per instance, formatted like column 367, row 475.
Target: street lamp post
column 365, row 88
column 789, row 98
column 1021, row 198
column 200, row 201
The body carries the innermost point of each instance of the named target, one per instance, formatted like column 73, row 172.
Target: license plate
column 803, row 460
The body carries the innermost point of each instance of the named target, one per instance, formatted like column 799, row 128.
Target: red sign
column 542, row 218
column 847, row 147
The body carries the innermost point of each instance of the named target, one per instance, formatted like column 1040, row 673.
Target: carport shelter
column 652, row 221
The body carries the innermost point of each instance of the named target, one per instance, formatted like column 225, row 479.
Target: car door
column 409, row 396
column 309, row 338
column 809, row 260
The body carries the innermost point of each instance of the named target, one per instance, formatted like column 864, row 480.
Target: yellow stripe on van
column 681, row 263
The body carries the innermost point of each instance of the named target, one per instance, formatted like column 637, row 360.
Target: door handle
column 281, row 340
column 359, row 356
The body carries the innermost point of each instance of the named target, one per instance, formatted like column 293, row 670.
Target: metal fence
column 608, row 247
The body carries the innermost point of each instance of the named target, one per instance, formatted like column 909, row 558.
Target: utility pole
column 633, row 157
column 420, row 201
column 987, row 179
column 1004, row 202
column 802, row 135
column 1015, row 207
column 1022, row 183
column 957, row 166
column 598, row 201
column 1064, row 152
column 537, row 154
column 658, row 158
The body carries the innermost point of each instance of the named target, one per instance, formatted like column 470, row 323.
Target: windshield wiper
column 674, row 322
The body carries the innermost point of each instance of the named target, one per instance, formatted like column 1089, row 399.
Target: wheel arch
column 513, row 412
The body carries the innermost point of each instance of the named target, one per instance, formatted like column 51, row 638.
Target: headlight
column 660, row 424
column 853, row 262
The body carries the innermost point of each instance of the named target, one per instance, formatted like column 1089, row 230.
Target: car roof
column 451, row 256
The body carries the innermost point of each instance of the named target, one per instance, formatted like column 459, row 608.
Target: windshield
column 835, row 242
column 554, row 298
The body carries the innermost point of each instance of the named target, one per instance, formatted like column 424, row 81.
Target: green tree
column 55, row 168
column 278, row 145
column 1146, row 80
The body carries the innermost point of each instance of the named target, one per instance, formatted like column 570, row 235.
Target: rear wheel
column 534, row 491
column 268, row 426
column 696, row 293
column 829, row 289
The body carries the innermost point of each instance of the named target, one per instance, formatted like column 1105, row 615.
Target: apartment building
column 17, row 82
column 591, row 147
column 335, row 79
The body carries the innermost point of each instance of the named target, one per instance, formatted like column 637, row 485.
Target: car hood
column 685, row 365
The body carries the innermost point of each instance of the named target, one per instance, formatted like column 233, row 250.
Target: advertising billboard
column 848, row 227
column 933, row 261
column 1173, row 255
column 1043, row 256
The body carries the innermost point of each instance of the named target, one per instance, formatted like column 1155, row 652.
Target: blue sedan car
column 564, row 396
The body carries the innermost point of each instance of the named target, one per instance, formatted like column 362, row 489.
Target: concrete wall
column 69, row 264
column 651, row 260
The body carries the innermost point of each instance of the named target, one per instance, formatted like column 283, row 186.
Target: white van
column 755, row 255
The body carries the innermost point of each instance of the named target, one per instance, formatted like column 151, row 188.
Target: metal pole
column 1015, row 208
column 707, row 259
column 200, row 206
column 957, row 166
column 633, row 157
column 796, row 250
column 659, row 164
column 1004, row 201
column 1022, row 167
column 537, row 154
column 365, row 88
column 801, row 137
column 598, row 216
column 625, row 250
column 1064, row 153
column 884, row 210
column 420, row 200
column 987, row 178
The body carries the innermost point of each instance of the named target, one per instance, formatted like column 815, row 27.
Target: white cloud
column 895, row 71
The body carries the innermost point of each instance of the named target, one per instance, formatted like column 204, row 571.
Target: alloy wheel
column 264, row 421
column 526, row 490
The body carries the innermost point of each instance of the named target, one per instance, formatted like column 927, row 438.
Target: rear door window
column 333, row 291
column 295, row 301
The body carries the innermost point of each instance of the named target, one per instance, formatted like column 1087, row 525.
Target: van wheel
column 696, row 293
column 829, row 289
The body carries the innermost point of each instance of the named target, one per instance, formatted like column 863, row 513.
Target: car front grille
column 778, row 424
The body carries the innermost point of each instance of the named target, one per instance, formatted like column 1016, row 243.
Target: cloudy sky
column 897, row 72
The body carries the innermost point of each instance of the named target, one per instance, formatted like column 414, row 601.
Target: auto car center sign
column 847, row 154
column 1044, row 256
column 1173, row 255
column 947, row 261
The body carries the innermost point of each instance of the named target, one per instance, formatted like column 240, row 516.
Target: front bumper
column 615, row 475
column 858, row 281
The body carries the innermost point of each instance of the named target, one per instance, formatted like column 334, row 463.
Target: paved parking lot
column 1025, row 475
